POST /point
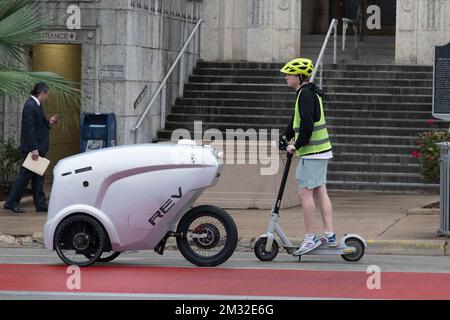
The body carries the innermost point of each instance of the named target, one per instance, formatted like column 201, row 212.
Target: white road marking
column 110, row 295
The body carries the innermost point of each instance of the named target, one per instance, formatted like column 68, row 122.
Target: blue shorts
column 311, row 173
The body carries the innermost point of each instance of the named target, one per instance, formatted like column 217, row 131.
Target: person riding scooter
column 312, row 145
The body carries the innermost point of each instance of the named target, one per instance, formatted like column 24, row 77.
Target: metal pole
column 335, row 43
column 182, row 74
column 163, row 107
column 321, row 76
column 319, row 59
column 444, row 163
column 344, row 30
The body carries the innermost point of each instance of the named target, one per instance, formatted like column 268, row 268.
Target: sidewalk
column 392, row 224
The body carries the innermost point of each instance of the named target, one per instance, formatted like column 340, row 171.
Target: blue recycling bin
column 97, row 131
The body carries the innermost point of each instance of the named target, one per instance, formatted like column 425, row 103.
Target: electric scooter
column 351, row 247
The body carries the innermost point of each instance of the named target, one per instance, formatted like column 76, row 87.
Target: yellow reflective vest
column 319, row 140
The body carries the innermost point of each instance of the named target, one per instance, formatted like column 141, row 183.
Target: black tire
column 106, row 256
column 358, row 254
column 260, row 250
column 84, row 236
column 220, row 229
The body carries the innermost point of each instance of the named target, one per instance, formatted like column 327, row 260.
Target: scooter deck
column 338, row 250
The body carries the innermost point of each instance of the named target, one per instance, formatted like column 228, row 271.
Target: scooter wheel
column 208, row 236
column 358, row 254
column 260, row 250
column 106, row 256
column 79, row 240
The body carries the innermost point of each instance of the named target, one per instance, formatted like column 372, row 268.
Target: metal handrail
column 162, row 86
column 357, row 29
column 354, row 23
column 319, row 64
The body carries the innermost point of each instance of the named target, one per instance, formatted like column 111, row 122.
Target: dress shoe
column 45, row 209
column 16, row 209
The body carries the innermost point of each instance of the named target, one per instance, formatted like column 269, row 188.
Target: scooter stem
column 283, row 183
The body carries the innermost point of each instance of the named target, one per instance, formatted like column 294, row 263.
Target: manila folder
column 39, row 166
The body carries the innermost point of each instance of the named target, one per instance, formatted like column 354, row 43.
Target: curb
column 382, row 247
column 34, row 240
column 409, row 247
column 245, row 244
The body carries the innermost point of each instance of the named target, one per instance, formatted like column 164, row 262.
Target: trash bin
column 97, row 130
column 444, row 161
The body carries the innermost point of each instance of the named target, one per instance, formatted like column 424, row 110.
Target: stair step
column 338, row 166
column 404, row 106
column 326, row 88
column 281, row 82
column 341, row 138
column 275, row 111
column 401, row 187
column 338, row 147
column 362, row 97
column 374, row 177
column 327, row 73
column 356, row 121
column 398, row 159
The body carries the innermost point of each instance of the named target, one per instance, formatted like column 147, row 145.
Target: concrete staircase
column 373, row 114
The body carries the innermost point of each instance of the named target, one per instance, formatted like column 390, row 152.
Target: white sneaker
column 307, row 246
column 328, row 241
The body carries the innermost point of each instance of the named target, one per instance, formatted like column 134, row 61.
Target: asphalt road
column 32, row 273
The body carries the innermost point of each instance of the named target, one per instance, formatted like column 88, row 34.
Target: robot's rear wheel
column 208, row 236
column 106, row 256
column 79, row 240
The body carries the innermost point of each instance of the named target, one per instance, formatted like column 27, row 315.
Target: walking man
column 34, row 139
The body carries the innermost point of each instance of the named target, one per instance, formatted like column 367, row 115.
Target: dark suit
column 34, row 136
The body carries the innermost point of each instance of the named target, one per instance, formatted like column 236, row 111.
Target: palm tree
column 20, row 21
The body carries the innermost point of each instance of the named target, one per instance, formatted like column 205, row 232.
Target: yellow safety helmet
column 299, row 66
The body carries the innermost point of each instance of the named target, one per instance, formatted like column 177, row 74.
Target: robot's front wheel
column 79, row 240
column 208, row 236
column 260, row 250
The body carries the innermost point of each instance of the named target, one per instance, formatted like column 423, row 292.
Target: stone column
column 273, row 30
column 421, row 25
column 224, row 30
column 251, row 30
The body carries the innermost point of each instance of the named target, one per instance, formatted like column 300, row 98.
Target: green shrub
column 10, row 162
column 429, row 153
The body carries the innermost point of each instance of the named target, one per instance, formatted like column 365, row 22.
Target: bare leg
column 309, row 208
column 326, row 209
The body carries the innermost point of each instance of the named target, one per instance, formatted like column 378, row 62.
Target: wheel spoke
column 216, row 236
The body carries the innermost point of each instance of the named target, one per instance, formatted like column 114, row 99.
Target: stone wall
column 251, row 30
column 421, row 25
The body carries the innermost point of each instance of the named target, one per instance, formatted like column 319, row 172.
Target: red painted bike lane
column 226, row 281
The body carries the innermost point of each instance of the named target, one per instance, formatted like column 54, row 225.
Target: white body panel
column 126, row 187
